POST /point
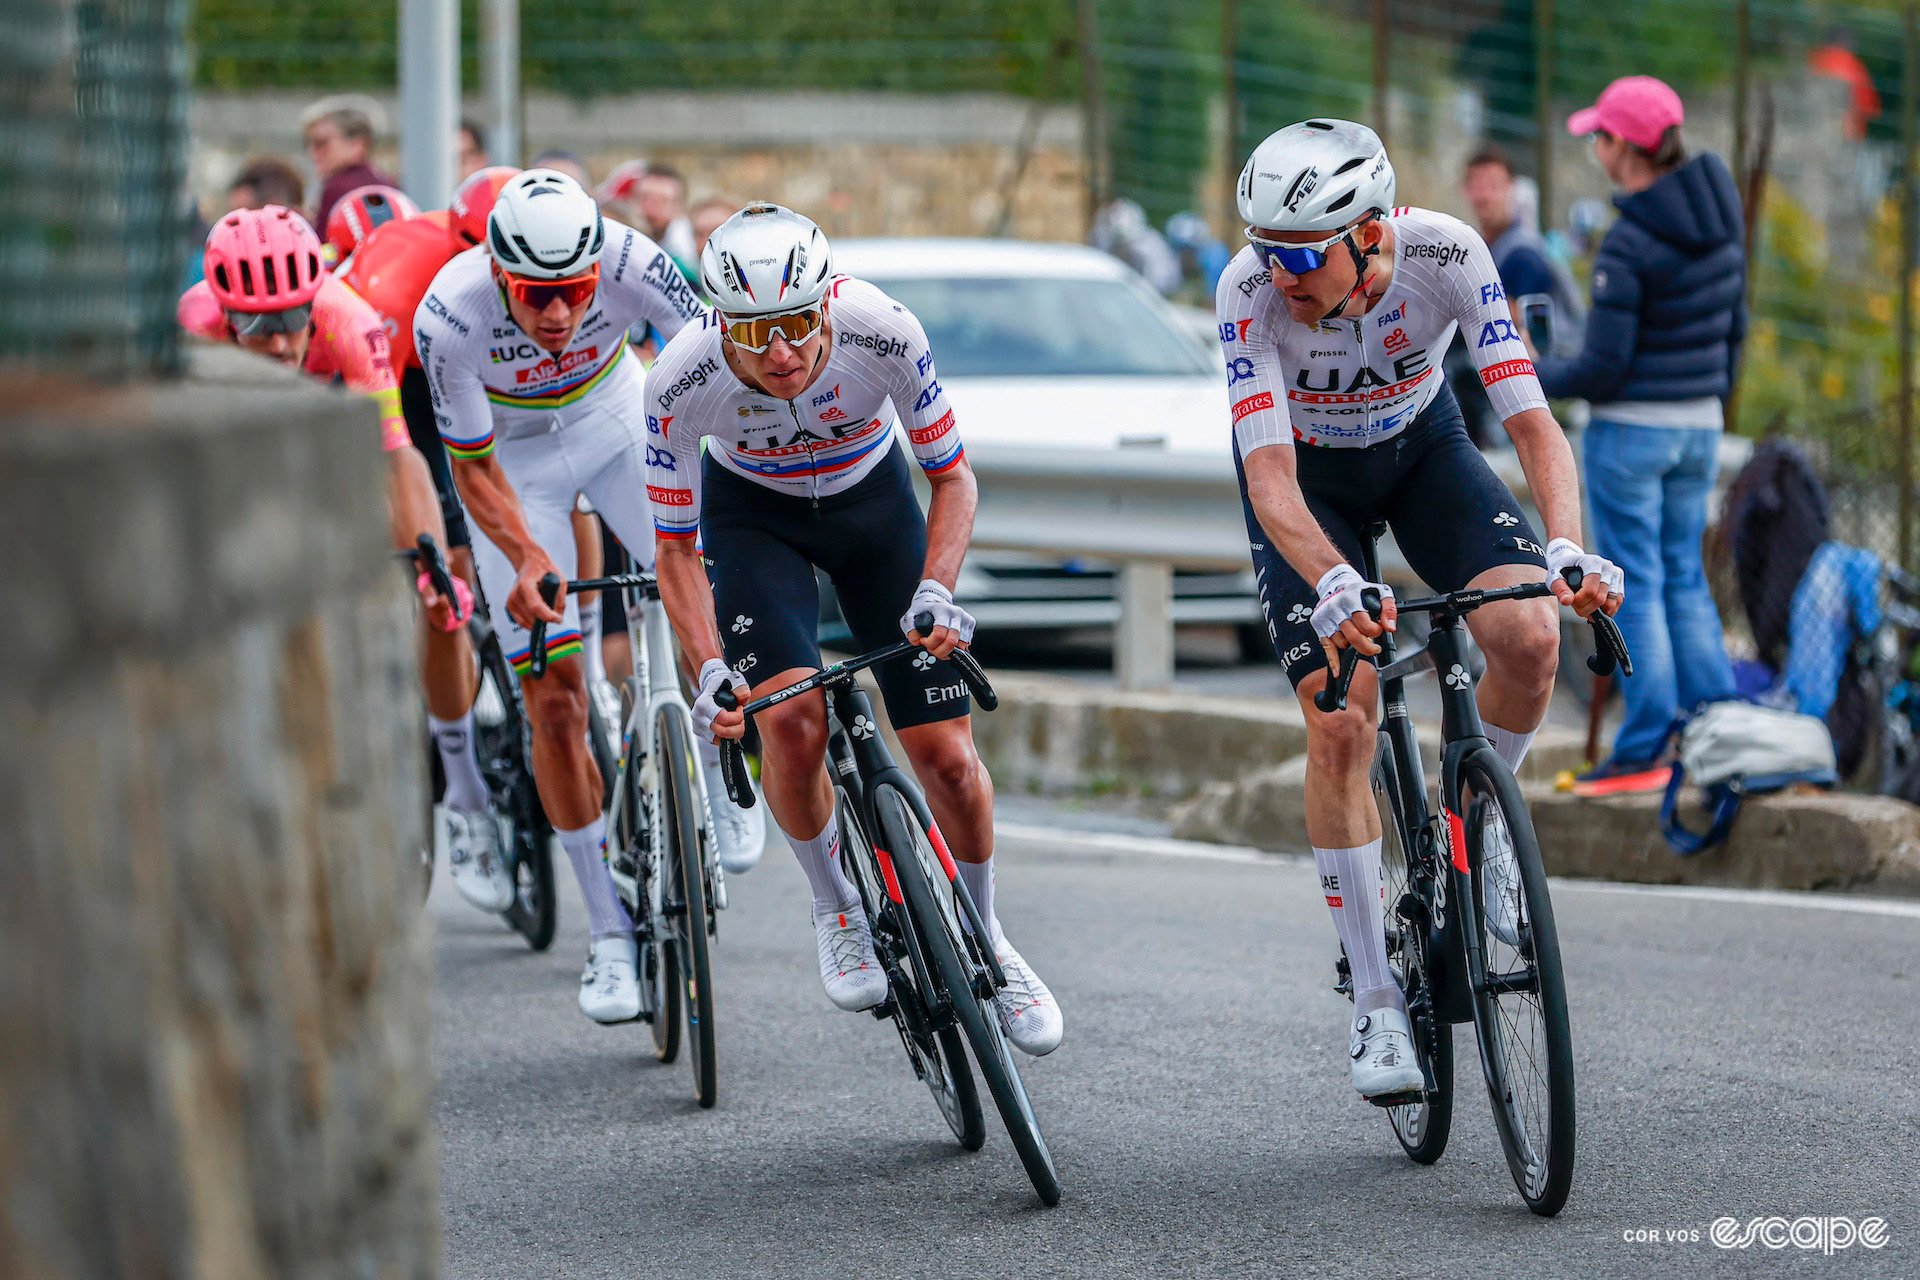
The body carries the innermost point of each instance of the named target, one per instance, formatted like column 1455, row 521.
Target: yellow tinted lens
column 755, row 333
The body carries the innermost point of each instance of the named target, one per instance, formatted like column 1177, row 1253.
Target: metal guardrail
column 1152, row 512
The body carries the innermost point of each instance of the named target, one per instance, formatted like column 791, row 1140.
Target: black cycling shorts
column 761, row 548
column 1452, row 516
column 416, row 405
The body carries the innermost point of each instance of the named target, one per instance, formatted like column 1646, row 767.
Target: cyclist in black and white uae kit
column 795, row 384
column 1335, row 318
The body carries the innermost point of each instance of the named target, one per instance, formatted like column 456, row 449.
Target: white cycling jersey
column 1354, row 382
column 823, row 441
column 491, row 380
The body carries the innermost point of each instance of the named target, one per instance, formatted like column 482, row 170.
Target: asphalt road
column 1739, row 1055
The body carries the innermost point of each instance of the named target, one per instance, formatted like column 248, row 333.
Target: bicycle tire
column 1422, row 1128
column 436, row 787
column 506, row 758
column 913, row 860
column 659, row 971
column 1543, row 1172
column 684, row 891
column 942, row 1054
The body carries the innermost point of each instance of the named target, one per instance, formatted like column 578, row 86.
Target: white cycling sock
column 587, row 850
column 589, row 606
column 453, row 739
column 978, row 877
column 1508, row 745
column 1350, row 878
column 820, row 859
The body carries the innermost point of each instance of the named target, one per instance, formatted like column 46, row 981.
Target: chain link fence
column 94, row 223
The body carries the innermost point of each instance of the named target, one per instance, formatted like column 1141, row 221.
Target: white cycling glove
column 937, row 600
column 1563, row 554
column 1340, row 589
column 714, row 676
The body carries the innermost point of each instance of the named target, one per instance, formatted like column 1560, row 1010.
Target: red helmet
column 265, row 259
column 474, row 201
column 361, row 210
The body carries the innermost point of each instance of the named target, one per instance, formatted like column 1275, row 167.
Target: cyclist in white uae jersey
column 524, row 343
column 795, row 383
column 1334, row 320
column 1356, row 381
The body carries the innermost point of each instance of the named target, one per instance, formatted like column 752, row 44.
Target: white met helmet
column 544, row 226
column 1318, row 175
column 765, row 259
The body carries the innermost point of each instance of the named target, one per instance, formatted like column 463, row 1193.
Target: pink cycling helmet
column 265, row 259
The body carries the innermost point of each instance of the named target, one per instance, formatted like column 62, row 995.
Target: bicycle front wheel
column 1520, row 994
column 914, row 865
column 684, row 893
column 1422, row 1127
column 503, row 739
column 939, row 1057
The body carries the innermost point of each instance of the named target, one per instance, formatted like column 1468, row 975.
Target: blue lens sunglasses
column 1298, row 259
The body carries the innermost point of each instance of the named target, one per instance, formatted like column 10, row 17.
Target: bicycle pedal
column 884, row 1010
column 1410, row 1098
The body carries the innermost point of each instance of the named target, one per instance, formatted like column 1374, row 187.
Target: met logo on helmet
column 1302, row 187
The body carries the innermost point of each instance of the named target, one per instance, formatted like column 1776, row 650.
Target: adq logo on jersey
column 1496, row 331
column 1239, row 370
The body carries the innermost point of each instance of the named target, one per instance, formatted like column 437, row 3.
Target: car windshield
column 989, row 327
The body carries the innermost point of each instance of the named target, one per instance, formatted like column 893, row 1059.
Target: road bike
column 1452, row 966
column 504, row 744
column 660, row 843
column 942, row 974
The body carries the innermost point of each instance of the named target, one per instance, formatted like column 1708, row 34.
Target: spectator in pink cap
column 1657, row 363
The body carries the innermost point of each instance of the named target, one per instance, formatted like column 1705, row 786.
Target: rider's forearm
column 688, row 596
column 1273, row 486
column 494, row 506
column 1548, row 462
column 413, row 508
column 950, row 511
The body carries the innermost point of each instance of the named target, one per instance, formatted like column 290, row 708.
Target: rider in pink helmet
column 263, row 264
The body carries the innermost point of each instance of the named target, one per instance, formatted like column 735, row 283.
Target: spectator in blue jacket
column 1658, row 362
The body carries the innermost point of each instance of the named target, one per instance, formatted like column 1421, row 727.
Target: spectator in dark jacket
column 1662, row 345
column 339, row 137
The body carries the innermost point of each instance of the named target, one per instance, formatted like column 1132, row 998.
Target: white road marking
column 1069, row 841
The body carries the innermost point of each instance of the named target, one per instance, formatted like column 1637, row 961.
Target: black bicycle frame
column 1452, row 941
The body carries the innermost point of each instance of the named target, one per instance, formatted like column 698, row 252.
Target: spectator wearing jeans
column 339, row 136
column 1661, row 347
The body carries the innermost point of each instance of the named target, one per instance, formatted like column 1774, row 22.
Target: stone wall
column 858, row 163
column 214, row 976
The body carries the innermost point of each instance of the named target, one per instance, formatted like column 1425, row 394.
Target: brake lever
column 733, row 757
column 1334, row 697
column 1609, row 646
column 966, row 664
column 537, row 655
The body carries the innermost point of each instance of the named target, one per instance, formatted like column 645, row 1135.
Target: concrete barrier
column 214, row 978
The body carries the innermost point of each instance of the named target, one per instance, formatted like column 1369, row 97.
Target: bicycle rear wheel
column 1520, row 1001
column 939, row 1058
column 501, row 734
column 915, row 867
column 633, row 837
column 1421, row 1127
column 684, row 893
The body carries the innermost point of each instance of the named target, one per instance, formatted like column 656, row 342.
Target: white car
column 1060, row 346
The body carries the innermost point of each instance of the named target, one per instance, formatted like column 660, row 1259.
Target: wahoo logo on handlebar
column 733, row 760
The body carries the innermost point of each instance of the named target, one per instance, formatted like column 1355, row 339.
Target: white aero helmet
column 544, row 226
column 765, row 259
column 1318, row 175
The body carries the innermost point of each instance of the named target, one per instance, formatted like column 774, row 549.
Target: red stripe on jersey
column 1378, row 393
column 670, row 497
column 927, row 435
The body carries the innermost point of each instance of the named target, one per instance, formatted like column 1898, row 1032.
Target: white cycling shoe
column 1027, row 1009
column 474, row 856
column 849, row 969
column 610, row 983
column 739, row 835
column 1382, row 1050
column 1500, row 883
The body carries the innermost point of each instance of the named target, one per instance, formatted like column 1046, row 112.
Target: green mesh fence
column 94, row 226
